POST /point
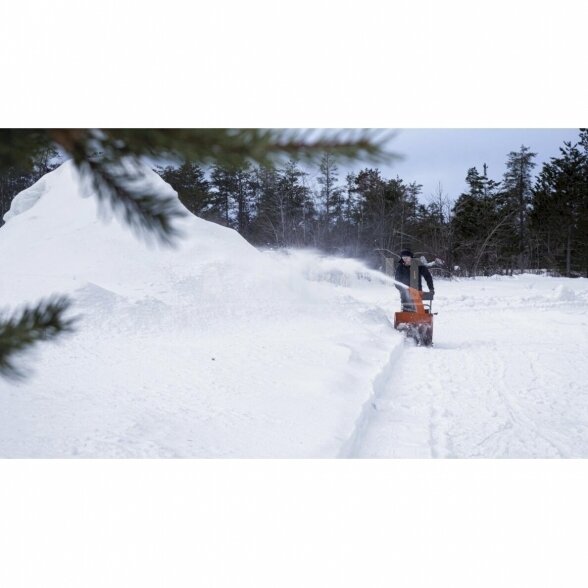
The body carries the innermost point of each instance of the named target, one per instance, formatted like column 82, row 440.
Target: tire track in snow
column 496, row 385
column 521, row 424
column 482, row 387
column 474, row 397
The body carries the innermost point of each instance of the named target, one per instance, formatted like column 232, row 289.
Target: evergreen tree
column 285, row 211
column 559, row 216
column 351, row 205
column 265, row 229
column 232, row 196
column 350, row 228
column 295, row 206
column 475, row 225
column 517, row 186
column 189, row 181
column 387, row 210
column 330, row 193
column 370, row 188
column 244, row 197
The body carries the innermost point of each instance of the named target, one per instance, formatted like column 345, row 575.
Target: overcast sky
column 444, row 155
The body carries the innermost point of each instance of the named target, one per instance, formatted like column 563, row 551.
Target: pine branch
column 116, row 175
column 111, row 157
column 147, row 213
column 152, row 214
column 23, row 330
column 19, row 148
column 234, row 147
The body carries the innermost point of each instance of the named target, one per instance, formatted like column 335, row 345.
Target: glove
column 432, row 292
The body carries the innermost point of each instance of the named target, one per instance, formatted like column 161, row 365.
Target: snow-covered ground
column 215, row 349
column 507, row 376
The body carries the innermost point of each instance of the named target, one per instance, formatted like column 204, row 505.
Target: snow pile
column 26, row 199
column 209, row 349
column 564, row 294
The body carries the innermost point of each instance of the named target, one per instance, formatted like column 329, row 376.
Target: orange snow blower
column 416, row 316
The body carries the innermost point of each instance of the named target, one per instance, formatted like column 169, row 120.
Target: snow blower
column 416, row 316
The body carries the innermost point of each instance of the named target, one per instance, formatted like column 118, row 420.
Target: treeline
column 362, row 216
column 521, row 223
column 517, row 223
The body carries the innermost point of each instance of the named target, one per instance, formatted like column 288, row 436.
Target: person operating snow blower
column 403, row 275
column 415, row 318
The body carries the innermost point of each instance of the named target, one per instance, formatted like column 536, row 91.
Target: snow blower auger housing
column 416, row 316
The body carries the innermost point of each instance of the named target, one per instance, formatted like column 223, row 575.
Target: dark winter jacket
column 403, row 275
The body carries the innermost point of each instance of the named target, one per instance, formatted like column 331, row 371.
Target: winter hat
column 406, row 253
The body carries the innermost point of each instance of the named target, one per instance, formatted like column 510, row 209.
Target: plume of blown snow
column 316, row 266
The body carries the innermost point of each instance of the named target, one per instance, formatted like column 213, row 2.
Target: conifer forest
column 526, row 219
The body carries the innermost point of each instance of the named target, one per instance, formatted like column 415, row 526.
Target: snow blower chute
column 416, row 316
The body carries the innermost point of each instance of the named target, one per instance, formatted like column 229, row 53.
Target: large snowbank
column 209, row 349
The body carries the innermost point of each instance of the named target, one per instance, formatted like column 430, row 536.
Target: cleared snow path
column 507, row 377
